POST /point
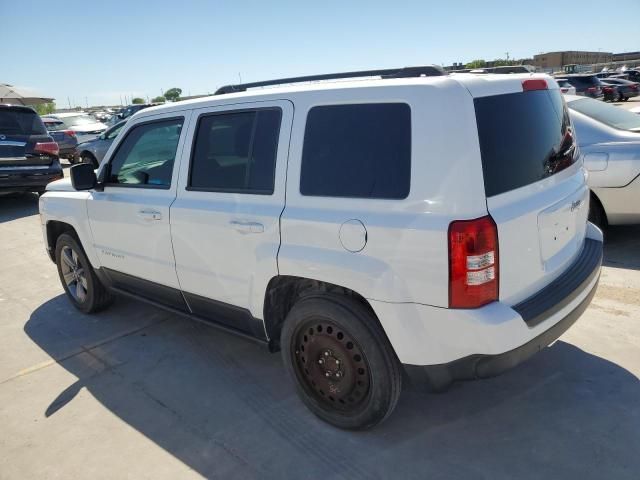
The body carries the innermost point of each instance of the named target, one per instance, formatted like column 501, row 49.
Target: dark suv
column 588, row 85
column 28, row 155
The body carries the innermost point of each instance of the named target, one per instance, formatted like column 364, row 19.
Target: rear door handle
column 247, row 227
column 150, row 215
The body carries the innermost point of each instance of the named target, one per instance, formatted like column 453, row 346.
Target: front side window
column 236, row 152
column 146, row 155
column 114, row 131
column 357, row 151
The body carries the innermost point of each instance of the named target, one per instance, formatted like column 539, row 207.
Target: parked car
column 338, row 236
column 93, row 151
column 609, row 91
column 83, row 125
column 609, row 140
column 625, row 88
column 586, row 84
column 632, row 75
column 565, row 86
column 65, row 138
column 28, row 155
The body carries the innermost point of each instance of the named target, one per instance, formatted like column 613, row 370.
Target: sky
column 95, row 53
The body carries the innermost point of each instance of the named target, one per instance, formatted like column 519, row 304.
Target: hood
column 62, row 185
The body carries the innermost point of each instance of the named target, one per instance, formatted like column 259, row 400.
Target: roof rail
column 405, row 72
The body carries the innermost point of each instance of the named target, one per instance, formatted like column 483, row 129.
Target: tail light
column 592, row 89
column 48, row 148
column 634, row 87
column 71, row 133
column 607, row 89
column 473, row 263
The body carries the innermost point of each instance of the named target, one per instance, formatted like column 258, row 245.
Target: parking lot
column 136, row 392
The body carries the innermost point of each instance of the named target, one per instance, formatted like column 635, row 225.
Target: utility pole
column 86, row 100
column 240, row 77
column 507, row 54
column 69, row 102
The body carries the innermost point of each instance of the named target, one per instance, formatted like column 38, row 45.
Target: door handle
column 247, row 227
column 150, row 215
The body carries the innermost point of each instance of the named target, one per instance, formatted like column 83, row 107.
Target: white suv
column 417, row 222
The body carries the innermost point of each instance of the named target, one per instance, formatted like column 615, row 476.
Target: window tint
column 54, row 126
column 236, row 152
column 146, row 155
column 114, row 131
column 359, row 151
column 524, row 137
column 18, row 121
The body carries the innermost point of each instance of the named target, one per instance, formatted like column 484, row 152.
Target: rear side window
column 524, row 137
column 361, row 150
column 236, row 152
column 15, row 121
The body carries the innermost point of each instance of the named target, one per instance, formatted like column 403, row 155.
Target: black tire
column 597, row 214
column 88, row 158
column 344, row 342
column 95, row 297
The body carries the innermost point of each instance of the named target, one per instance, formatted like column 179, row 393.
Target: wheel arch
column 594, row 198
column 54, row 229
column 283, row 291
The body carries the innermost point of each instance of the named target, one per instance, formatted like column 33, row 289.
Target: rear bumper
column 443, row 345
column 29, row 180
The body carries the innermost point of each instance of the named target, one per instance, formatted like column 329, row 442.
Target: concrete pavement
column 135, row 392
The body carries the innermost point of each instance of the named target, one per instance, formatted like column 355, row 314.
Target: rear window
column 615, row 117
column 20, row 122
column 78, row 120
column 361, row 151
column 524, row 137
column 54, row 126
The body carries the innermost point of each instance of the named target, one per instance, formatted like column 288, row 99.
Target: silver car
column 94, row 151
column 609, row 141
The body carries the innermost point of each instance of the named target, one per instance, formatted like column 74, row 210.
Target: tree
column 45, row 108
column 159, row 99
column 137, row 100
column 173, row 94
column 476, row 64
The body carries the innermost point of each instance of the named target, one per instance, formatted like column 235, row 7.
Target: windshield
column 610, row 115
column 20, row 122
column 524, row 137
column 78, row 120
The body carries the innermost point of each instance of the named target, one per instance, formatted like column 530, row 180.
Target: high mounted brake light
column 534, row 84
column 473, row 262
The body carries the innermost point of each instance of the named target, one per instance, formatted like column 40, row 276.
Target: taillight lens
column 48, row 148
column 473, row 263
column 71, row 133
column 591, row 89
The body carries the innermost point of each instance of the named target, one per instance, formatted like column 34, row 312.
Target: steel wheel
column 331, row 365
column 74, row 274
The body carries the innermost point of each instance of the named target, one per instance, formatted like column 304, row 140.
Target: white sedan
column 609, row 141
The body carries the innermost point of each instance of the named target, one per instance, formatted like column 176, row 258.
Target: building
column 626, row 56
column 556, row 60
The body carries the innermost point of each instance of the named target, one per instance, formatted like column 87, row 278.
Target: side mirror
column 83, row 177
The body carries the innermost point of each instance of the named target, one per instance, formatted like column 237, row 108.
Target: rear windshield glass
column 78, row 120
column 615, row 117
column 524, row 137
column 20, row 122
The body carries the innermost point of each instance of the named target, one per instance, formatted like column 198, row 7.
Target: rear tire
column 597, row 214
column 78, row 278
column 341, row 361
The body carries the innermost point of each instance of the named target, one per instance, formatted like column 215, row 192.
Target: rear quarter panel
column 406, row 254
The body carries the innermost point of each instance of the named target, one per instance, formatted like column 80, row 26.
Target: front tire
column 78, row 278
column 344, row 368
column 90, row 159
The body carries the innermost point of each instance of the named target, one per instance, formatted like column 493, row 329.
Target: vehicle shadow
column 224, row 407
column 17, row 205
column 622, row 247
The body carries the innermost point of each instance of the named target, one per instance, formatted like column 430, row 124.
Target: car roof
column 64, row 115
column 21, row 108
column 476, row 85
